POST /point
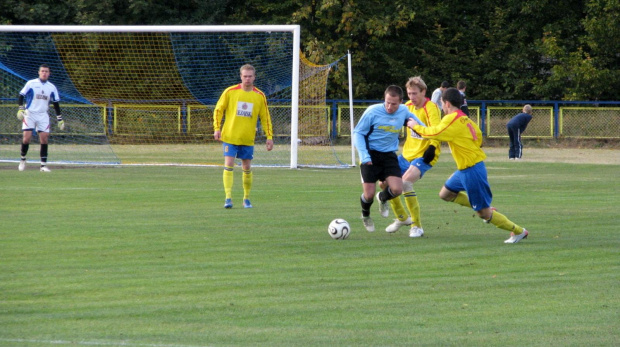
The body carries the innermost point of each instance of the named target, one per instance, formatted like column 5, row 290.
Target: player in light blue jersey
column 376, row 139
column 38, row 93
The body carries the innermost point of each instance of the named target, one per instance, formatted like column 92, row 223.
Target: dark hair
column 453, row 96
column 461, row 85
column 394, row 90
column 45, row 66
column 445, row 84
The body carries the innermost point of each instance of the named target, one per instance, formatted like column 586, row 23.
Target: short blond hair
column 527, row 109
column 247, row 67
column 416, row 81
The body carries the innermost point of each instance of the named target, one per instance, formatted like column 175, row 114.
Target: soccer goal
column 146, row 94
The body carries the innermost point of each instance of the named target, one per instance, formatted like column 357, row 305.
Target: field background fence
column 161, row 133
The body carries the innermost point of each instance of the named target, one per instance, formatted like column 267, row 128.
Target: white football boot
column 416, row 231
column 516, row 238
column 392, row 228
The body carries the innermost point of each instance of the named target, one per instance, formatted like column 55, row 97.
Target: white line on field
column 94, row 343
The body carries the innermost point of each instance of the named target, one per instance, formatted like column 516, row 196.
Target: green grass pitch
column 148, row 256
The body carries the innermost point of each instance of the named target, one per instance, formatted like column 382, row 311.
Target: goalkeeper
column 38, row 93
column 241, row 106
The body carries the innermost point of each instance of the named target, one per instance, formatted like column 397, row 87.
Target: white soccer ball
column 339, row 229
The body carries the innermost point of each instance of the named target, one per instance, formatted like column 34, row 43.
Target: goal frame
column 294, row 29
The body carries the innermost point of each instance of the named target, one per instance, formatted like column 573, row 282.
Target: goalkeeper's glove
column 61, row 123
column 429, row 154
column 21, row 113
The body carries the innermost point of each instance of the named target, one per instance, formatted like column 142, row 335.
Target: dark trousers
column 516, row 146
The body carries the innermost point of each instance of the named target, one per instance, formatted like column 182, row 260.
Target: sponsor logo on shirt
column 42, row 97
column 244, row 109
column 389, row 128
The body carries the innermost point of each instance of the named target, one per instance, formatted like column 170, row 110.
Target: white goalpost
column 130, row 93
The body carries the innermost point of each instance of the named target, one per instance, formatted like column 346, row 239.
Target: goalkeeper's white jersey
column 38, row 95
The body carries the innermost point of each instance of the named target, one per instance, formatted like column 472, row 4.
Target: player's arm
column 218, row 115
column 413, row 119
column 55, row 98
column 21, row 113
column 359, row 138
column 265, row 120
column 61, row 123
column 438, row 132
column 433, row 118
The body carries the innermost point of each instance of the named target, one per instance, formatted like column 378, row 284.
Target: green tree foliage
column 585, row 65
column 513, row 49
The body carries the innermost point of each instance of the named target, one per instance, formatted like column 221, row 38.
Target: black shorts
column 384, row 165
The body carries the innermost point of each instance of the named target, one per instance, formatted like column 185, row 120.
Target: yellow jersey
column 462, row 135
column 414, row 147
column 241, row 110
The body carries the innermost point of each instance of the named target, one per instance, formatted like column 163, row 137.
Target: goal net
column 146, row 94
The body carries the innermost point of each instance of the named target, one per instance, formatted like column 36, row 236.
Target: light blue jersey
column 378, row 130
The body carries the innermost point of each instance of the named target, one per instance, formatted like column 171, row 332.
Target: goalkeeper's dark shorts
column 384, row 165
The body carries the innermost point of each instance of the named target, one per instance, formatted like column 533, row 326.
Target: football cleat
column 392, row 228
column 516, row 238
column 368, row 223
column 228, row 203
column 247, row 203
column 416, row 231
column 45, row 169
column 22, row 165
column 383, row 207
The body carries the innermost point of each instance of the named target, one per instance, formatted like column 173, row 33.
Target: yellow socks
column 399, row 209
column 247, row 179
column 502, row 222
column 411, row 198
column 228, row 181
column 462, row 199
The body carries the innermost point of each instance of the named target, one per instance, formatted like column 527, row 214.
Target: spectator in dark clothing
column 516, row 126
column 461, row 86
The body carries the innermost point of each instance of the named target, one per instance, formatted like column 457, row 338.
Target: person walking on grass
column 241, row 106
column 37, row 95
column 468, row 186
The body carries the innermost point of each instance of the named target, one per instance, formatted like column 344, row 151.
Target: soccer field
column 148, row 256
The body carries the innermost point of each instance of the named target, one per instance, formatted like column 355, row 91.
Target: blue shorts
column 418, row 163
column 472, row 180
column 238, row 151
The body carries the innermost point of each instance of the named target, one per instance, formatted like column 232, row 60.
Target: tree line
column 504, row 50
